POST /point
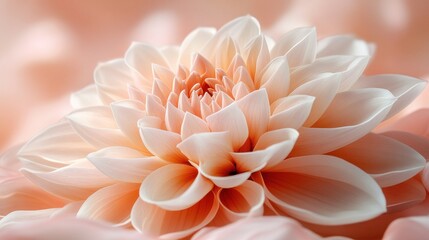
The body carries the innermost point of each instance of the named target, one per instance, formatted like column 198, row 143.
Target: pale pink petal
column 171, row 55
column 173, row 118
column 275, row 79
column 425, row 177
column 141, row 57
column 112, row 79
column 154, row 220
column 255, row 107
column 232, row 120
column 193, row 44
column 290, row 112
column 404, row 88
column 162, row 144
column 361, row 110
column 411, row 228
column 257, row 56
column 86, row 97
column 225, row 53
column 404, row 195
column 68, row 228
column 415, row 123
column 343, row 45
column 298, row 45
column 192, row 125
column 322, row 189
column 269, row 227
column 229, row 181
column 246, row 200
column 175, row 187
column 418, row 143
column 388, row 161
column 124, row 164
column 76, row 181
column 9, row 159
column 21, row 216
column 111, row 204
column 126, row 114
column 97, row 126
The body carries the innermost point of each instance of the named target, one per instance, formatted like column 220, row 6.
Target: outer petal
column 405, row 88
column 418, row 143
column 162, row 144
column 126, row 114
column 175, row 187
column 388, row 161
column 112, row 204
column 275, row 79
column 97, row 126
column 256, row 55
column 290, row 112
column 21, row 216
column 412, row 228
column 343, row 45
column 193, row 44
column 351, row 116
column 404, row 195
column 86, row 97
column 322, row 189
column 298, row 45
column 151, row 219
column 124, row 164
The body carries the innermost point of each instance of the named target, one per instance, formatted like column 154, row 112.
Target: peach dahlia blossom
column 231, row 124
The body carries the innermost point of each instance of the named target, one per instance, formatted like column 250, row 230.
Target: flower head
column 231, row 124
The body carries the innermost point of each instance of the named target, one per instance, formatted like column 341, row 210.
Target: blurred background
column 49, row 48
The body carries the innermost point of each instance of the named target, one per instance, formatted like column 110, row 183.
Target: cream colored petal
column 415, row 227
column 151, row 219
column 256, row 109
column 97, row 126
column 125, row 164
column 162, row 144
column 404, row 195
column 112, row 79
column 76, row 181
column 20, row 216
column 405, row 88
column 298, row 45
column 126, row 114
column 246, row 200
column 175, row 187
column 193, row 44
column 225, row 53
column 347, row 68
column 290, row 112
column 275, row 79
column 141, row 56
column 388, row 161
column 418, row 143
column 350, row 116
column 257, row 56
column 111, row 204
column 171, row 55
column 210, row 151
column 174, row 118
column 343, row 45
column 154, row 107
column 323, row 190
column 192, row 125
column 58, row 145
column 85, row 97
column 232, row 120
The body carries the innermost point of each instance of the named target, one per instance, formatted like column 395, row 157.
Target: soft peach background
column 49, row 48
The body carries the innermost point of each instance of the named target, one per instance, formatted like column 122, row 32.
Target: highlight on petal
column 162, row 144
column 111, row 204
column 404, row 88
column 323, row 190
column 153, row 220
column 193, row 43
column 298, row 45
column 343, row 45
column 86, row 97
column 388, row 161
column 361, row 111
column 124, row 164
column 175, row 187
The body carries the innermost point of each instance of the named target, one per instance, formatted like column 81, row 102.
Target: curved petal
column 343, row 45
column 162, row 144
column 86, row 97
column 275, row 79
column 154, row 220
column 404, row 195
column 290, row 112
column 193, row 44
column 298, row 45
column 246, row 200
column 112, row 79
column 126, row 114
column 21, row 216
column 76, row 181
column 256, row 108
column 418, row 143
column 97, row 126
column 173, row 118
column 404, row 88
column 323, row 190
column 192, row 125
column 124, row 164
column 388, row 161
column 257, row 56
column 232, row 179
column 232, row 120
column 112, row 204
column 350, row 116
column 175, row 187
column 412, row 228
column 57, row 145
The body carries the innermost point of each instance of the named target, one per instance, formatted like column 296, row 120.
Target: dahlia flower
column 231, row 125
